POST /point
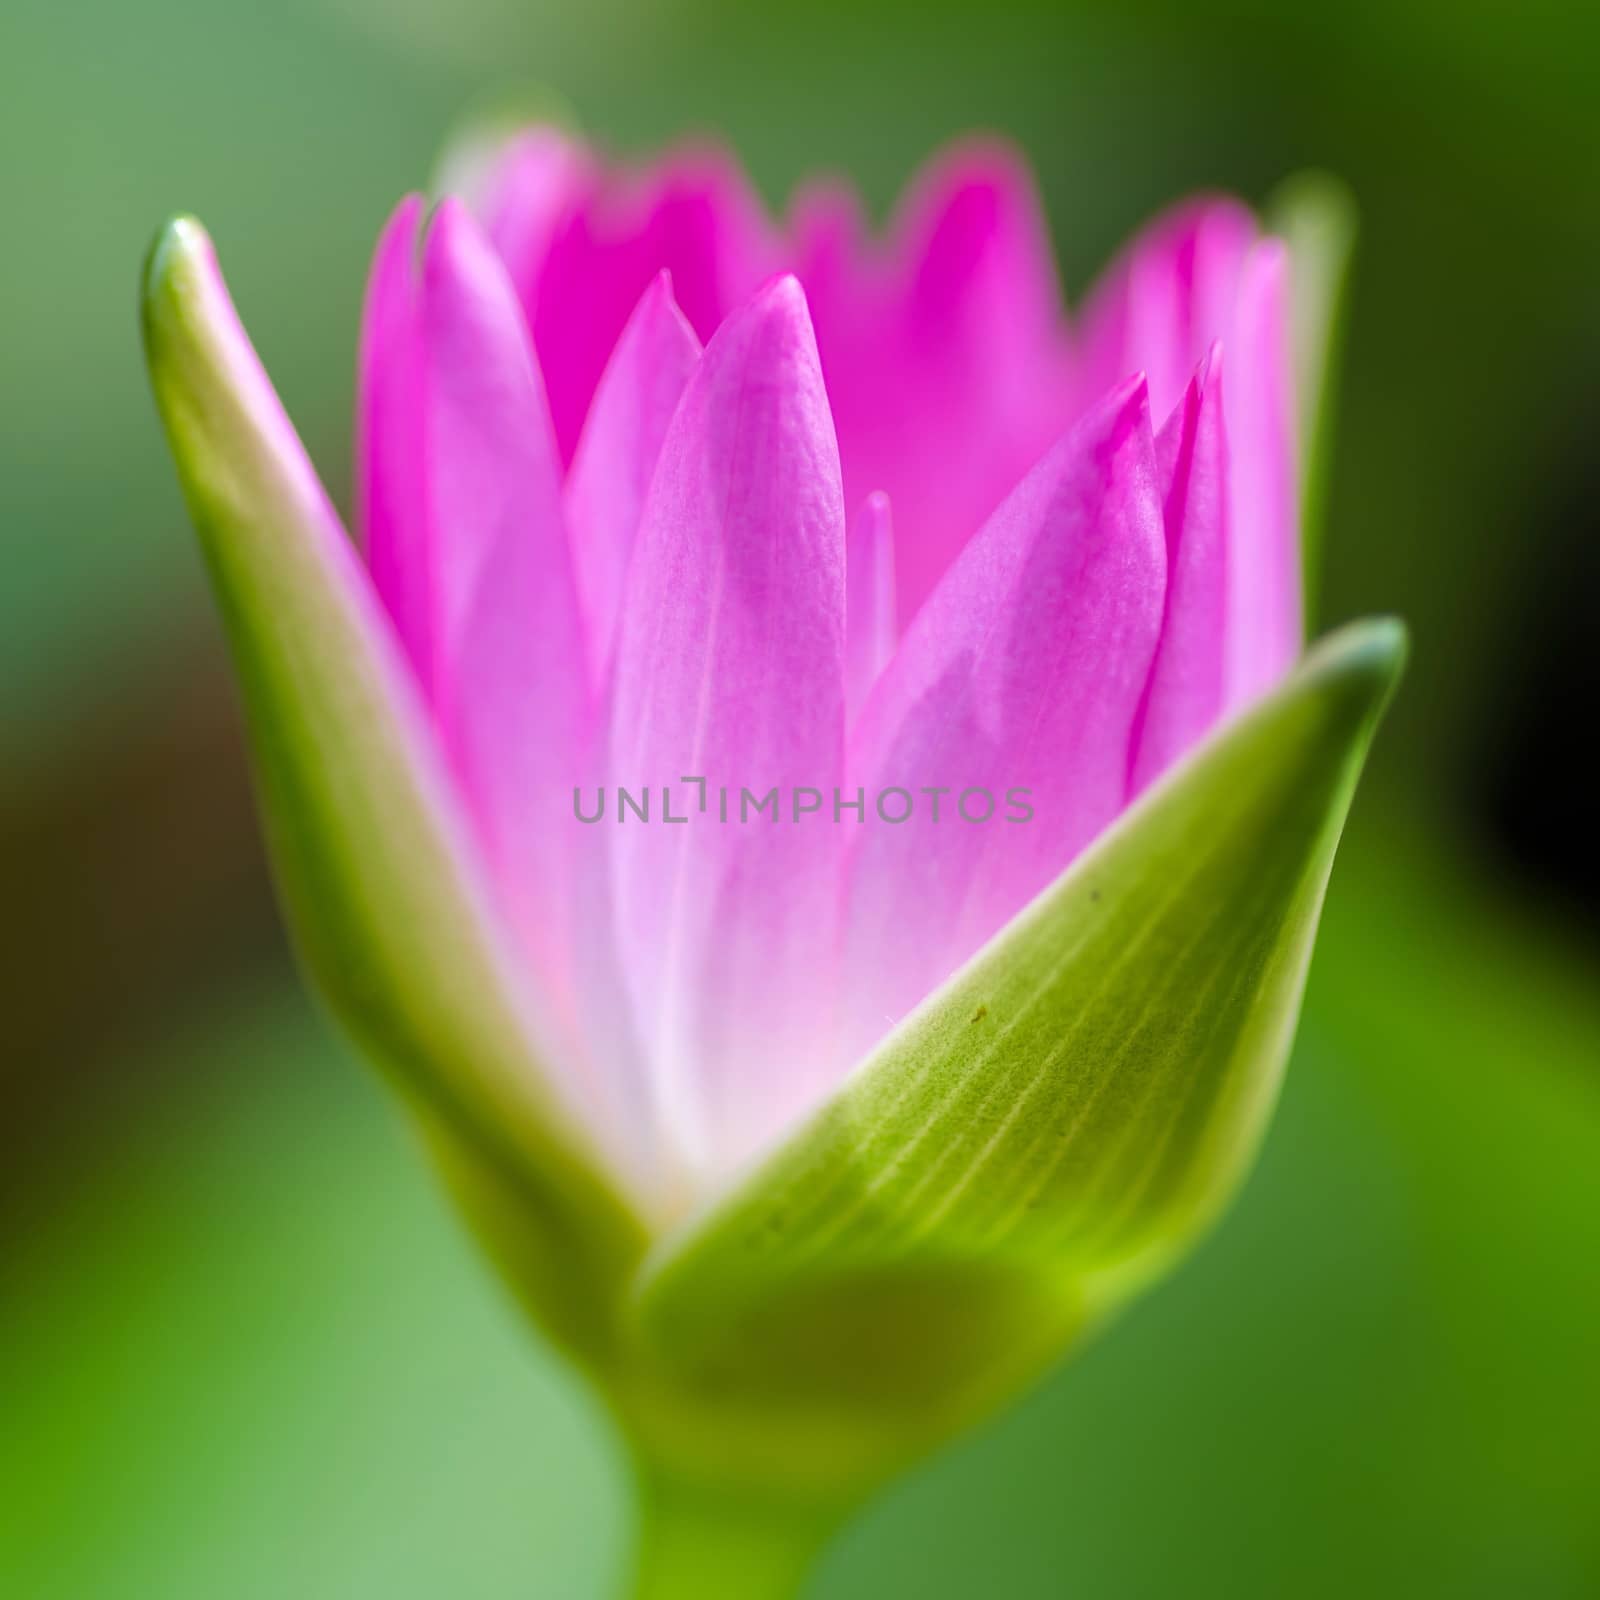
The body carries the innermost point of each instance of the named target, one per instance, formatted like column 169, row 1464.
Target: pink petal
column 946, row 370
column 828, row 237
column 1186, row 683
column 616, row 456
column 509, row 663
column 391, row 526
column 1264, row 623
column 1166, row 299
column 536, row 185
column 694, row 216
column 730, row 668
column 870, row 629
column 1196, row 275
column 1024, row 671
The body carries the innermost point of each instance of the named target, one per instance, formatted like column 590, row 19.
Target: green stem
column 703, row 1543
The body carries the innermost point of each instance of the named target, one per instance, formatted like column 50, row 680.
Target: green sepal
column 1315, row 215
column 382, row 896
column 1045, row 1134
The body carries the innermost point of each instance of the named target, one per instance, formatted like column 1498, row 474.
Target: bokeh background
column 244, row 1349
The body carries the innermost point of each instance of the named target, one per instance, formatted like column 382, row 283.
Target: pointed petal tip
column 777, row 316
column 1128, row 394
column 1121, row 412
column 1204, row 387
column 449, row 226
column 395, row 258
column 406, row 218
column 782, row 296
column 1121, row 406
column 660, row 299
column 454, row 250
column 447, row 216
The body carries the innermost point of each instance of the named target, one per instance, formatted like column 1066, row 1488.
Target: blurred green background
column 245, row 1350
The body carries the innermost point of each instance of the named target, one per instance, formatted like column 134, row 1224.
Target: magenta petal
column 1264, row 622
column 617, row 453
column 971, row 222
column 510, row 681
column 1187, row 681
column 730, row 669
column 828, row 236
column 947, row 370
column 870, row 629
column 698, row 216
column 1015, row 689
column 391, row 526
column 694, row 216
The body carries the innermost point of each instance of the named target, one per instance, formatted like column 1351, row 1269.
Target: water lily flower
column 805, row 777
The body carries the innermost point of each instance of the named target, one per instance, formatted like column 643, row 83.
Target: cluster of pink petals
column 654, row 487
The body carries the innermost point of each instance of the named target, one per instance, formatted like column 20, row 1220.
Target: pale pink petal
column 1016, row 688
column 1264, row 621
column 1187, row 681
column 391, row 522
column 870, row 628
column 730, row 669
column 510, row 676
column 616, row 457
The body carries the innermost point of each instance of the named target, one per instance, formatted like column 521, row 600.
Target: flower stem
column 700, row 1543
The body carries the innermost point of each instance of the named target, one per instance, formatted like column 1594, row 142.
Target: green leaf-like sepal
column 1046, row 1133
column 383, row 896
column 1315, row 215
